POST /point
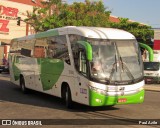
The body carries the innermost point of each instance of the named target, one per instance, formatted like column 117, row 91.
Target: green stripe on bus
column 51, row 70
column 149, row 49
column 47, row 34
column 88, row 49
column 102, row 100
column 16, row 70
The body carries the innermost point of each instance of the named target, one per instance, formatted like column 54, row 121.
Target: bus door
column 81, row 66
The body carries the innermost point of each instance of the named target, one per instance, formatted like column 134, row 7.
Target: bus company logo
column 6, row 122
column 83, row 91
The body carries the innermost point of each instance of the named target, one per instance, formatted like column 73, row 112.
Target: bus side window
column 75, row 55
column 58, row 48
column 14, row 47
column 51, row 49
column 79, row 59
column 39, row 52
column 82, row 63
column 40, row 48
column 26, row 47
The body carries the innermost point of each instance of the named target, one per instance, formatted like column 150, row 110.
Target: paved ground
column 152, row 87
column 16, row 105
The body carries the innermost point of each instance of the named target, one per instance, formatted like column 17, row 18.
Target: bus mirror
column 88, row 49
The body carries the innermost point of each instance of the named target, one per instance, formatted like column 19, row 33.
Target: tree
column 40, row 18
column 55, row 14
column 142, row 32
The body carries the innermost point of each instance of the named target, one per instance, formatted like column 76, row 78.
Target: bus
column 92, row 66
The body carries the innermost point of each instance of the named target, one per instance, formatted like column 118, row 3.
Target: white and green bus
column 89, row 65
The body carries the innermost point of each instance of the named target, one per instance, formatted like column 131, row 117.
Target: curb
column 152, row 88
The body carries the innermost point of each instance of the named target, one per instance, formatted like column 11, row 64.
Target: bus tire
column 68, row 98
column 22, row 85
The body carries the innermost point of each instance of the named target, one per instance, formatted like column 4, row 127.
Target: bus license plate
column 122, row 100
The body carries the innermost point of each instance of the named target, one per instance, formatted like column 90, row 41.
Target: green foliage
column 142, row 32
column 55, row 14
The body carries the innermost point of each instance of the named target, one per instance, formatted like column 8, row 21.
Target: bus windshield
column 151, row 66
column 115, row 61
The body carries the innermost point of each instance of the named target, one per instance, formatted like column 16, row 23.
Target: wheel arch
column 20, row 78
column 64, row 86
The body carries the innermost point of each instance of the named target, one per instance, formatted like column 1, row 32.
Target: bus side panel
column 25, row 66
column 51, row 70
column 14, row 70
column 81, row 90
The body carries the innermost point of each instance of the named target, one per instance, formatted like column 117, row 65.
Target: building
column 156, row 39
column 10, row 10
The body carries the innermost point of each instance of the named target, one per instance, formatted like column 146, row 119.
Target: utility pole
column 27, row 27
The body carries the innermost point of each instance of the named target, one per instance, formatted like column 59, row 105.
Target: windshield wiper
column 124, row 66
column 128, row 71
column 113, row 68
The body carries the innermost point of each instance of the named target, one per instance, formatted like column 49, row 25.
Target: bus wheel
column 22, row 85
column 68, row 98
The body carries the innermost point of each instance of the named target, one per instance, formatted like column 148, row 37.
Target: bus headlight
column 97, row 90
column 141, row 98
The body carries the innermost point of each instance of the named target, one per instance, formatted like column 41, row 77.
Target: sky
column 143, row 11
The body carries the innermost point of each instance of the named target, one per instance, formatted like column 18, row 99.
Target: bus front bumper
column 97, row 99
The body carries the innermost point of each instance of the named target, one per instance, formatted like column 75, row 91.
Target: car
column 4, row 68
column 152, row 72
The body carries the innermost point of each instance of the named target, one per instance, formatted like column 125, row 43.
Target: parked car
column 152, row 72
column 4, row 68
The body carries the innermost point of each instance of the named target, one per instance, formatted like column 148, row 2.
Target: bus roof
column 102, row 33
column 90, row 32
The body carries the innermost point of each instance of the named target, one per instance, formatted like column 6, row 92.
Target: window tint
column 14, row 47
column 58, row 48
column 73, row 40
column 52, row 47
column 40, row 48
column 25, row 48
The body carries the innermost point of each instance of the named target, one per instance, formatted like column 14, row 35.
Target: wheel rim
column 23, row 88
column 67, row 96
column 22, row 85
